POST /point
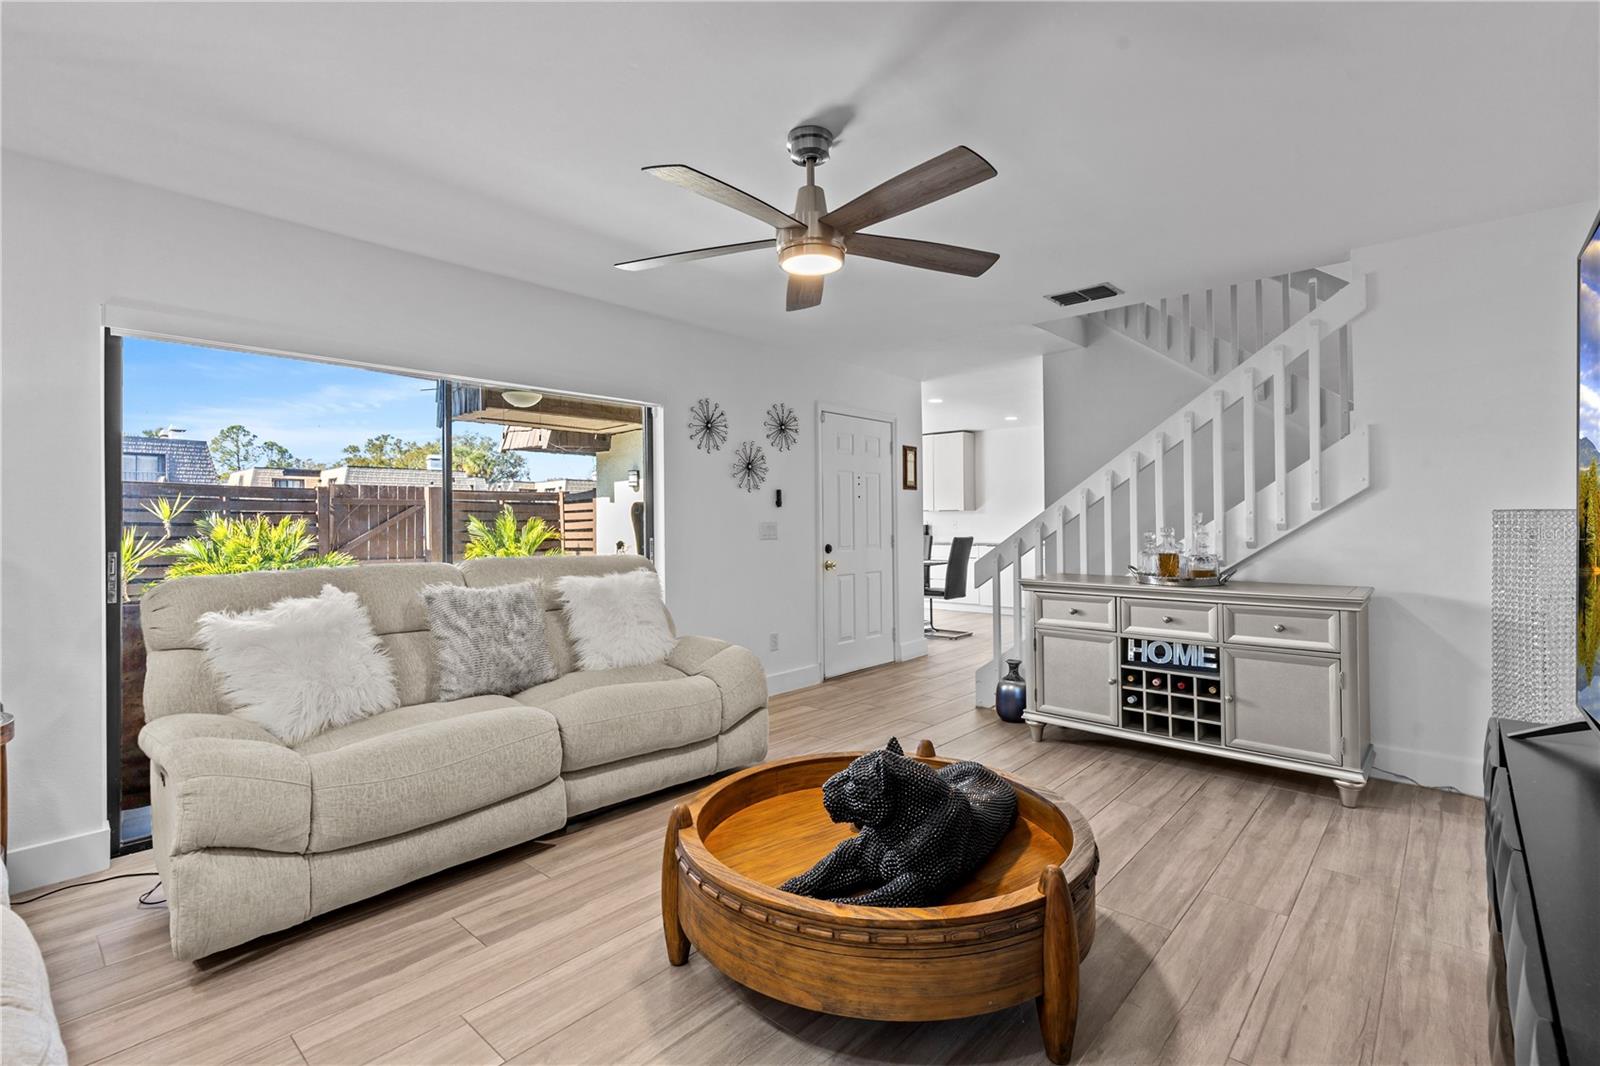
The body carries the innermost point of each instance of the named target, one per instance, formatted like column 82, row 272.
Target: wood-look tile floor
column 1245, row 917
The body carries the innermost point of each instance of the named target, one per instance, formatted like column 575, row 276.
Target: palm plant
column 167, row 509
column 505, row 538
column 137, row 549
column 225, row 545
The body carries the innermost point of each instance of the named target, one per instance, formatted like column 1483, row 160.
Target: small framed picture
column 908, row 466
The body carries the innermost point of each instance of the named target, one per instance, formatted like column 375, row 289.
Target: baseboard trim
column 59, row 860
column 1431, row 769
column 797, row 678
column 914, row 648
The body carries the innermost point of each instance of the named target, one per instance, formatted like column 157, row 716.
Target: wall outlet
column 772, row 642
column 767, row 531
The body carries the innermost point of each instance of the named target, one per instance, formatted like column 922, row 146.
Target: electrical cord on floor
column 1413, row 781
column 146, row 901
column 85, row 884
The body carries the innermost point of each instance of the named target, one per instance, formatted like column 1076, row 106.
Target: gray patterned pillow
column 489, row 641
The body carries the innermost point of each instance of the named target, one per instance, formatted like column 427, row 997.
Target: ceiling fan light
column 810, row 259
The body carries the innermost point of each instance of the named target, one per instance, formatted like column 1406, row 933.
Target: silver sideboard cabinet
column 1260, row 672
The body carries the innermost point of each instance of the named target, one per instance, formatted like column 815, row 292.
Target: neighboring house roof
column 264, row 476
column 188, row 461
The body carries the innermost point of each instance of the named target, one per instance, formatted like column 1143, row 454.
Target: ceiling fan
column 813, row 241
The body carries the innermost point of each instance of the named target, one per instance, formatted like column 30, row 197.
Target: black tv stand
column 1577, row 725
column 1542, row 810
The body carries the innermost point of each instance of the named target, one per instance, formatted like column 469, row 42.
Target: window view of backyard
column 234, row 461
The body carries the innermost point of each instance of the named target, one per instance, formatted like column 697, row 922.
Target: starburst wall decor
column 783, row 427
column 708, row 425
column 749, row 466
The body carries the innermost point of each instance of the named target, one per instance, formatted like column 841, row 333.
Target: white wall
column 1101, row 398
column 74, row 241
column 1465, row 367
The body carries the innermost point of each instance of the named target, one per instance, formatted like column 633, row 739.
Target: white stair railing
column 1319, row 458
column 1213, row 330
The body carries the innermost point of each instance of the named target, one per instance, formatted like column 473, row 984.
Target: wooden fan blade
column 803, row 292
column 723, row 193
column 959, row 168
column 697, row 253
column 968, row 262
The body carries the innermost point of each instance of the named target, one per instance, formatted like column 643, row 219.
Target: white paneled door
column 857, row 557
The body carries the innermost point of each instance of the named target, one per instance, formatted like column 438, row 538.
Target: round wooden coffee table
column 1016, row 931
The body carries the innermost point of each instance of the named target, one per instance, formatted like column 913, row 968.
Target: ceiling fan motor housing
column 809, row 144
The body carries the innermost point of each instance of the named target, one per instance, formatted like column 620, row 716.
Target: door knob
column 1229, row 697
column 830, row 565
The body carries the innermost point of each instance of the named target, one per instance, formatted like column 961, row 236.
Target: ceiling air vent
column 1103, row 291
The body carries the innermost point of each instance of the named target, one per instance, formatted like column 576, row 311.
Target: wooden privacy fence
column 373, row 523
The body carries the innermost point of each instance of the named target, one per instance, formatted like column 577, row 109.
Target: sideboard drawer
column 1079, row 609
column 1169, row 618
column 1281, row 627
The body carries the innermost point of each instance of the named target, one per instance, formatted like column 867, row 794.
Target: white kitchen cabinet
column 948, row 464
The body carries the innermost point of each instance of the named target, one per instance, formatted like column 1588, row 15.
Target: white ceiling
column 1143, row 144
column 1008, row 394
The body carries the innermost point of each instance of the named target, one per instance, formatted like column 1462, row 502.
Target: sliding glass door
column 220, row 461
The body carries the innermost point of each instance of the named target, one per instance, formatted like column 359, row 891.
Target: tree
column 275, row 455
column 479, row 455
column 234, row 448
column 388, row 450
column 151, row 432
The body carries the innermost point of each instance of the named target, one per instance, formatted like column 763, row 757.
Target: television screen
column 1589, row 475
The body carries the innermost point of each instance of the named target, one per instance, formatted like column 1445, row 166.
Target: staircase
column 1271, row 443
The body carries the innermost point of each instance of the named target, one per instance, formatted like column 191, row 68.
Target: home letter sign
column 1175, row 655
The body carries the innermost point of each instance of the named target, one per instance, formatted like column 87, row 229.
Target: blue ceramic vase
column 1011, row 694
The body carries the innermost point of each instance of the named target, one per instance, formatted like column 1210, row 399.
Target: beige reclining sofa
column 252, row 835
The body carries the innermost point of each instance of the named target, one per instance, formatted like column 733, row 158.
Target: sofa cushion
column 224, row 782
column 615, row 619
column 604, row 718
column 489, row 641
column 546, row 569
column 417, row 765
column 301, row 666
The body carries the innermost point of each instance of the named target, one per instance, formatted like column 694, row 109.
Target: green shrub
column 137, row 549
column 224, row 545
column 505, row 538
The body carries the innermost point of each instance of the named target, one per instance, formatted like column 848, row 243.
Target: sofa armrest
column 736, row 672
column 220, row 781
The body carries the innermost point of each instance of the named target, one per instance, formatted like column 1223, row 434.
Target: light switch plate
column 768, row 531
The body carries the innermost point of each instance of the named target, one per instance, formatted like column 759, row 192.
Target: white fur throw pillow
column 616, row 619
column 302, row 665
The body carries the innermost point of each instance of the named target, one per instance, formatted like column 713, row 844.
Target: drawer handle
column 1073, row 610
column 1168, row 619
column 1228, row 698
column 1111, row 681
column 1278, row 627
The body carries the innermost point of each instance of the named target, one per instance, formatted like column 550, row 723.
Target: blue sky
column 313, row 409
column 1589, row 343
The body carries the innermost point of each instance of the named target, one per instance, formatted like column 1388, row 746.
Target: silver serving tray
column 1222, row 578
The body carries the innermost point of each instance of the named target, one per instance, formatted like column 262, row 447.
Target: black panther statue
column 922, row 831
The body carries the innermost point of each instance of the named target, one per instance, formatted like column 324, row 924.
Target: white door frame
column 851, row 411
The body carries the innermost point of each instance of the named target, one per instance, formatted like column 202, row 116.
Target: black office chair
column 955, row 586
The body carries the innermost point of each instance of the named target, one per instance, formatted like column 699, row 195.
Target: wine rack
column 1183, row 704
